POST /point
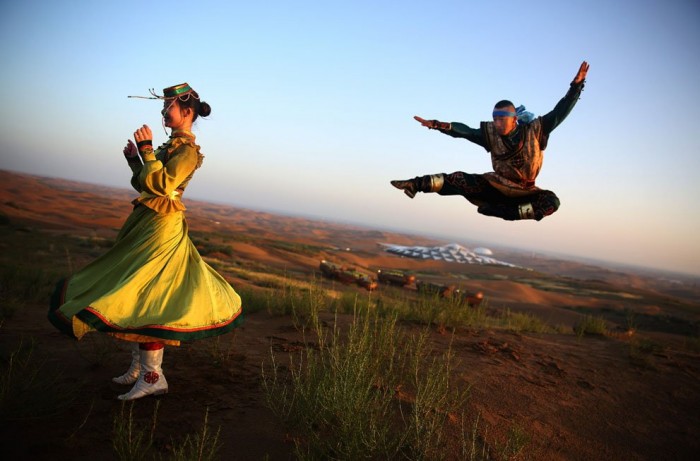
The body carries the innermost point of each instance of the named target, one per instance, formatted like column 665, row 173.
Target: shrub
column 590, row 325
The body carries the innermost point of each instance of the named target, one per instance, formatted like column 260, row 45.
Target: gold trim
column 436, row 182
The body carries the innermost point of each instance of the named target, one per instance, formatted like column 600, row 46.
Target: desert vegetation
column 546, row 367
column 364, row 387
column 370, row 389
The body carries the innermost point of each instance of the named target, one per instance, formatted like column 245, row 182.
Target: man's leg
column 427, row 183
column 473, row 187
column 545, row 203
column 489, row 200
column 536, row 206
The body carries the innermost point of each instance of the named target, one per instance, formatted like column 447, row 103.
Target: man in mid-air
column 516, row 141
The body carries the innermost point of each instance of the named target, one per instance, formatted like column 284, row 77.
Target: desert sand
column 631, row 394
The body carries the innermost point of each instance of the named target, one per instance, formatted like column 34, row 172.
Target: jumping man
column 516, row 144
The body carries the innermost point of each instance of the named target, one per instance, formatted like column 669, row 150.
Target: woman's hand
column 143, row 134
column 130, row 150
column 144, row 140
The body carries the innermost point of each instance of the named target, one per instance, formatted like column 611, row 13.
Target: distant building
column 483, row 251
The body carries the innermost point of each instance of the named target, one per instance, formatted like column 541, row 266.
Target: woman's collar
column 182, row 134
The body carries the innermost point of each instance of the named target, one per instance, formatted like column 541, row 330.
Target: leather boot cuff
column 436, row 182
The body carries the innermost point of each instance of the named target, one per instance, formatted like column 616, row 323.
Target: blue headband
column 503, row 113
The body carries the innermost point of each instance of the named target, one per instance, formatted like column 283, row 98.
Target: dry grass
column 372, row 390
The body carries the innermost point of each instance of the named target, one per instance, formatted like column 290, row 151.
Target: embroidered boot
column 428, row 183
column 132, row 374
column 151, row 380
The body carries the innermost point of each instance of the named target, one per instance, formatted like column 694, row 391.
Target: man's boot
column 428, row 183
column 151, row 380
column 132, row 374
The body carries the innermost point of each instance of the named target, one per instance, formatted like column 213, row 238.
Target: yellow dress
column 152, row 285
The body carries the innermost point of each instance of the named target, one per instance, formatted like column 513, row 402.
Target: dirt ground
column 632, row 394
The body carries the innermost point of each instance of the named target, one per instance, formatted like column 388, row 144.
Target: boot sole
column 152, row 394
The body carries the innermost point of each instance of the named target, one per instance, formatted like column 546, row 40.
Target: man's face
column 505, row 124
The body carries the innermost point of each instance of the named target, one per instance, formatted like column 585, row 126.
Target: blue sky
column 312, row 106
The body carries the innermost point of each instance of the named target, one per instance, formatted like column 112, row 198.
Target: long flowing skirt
column 151, row 286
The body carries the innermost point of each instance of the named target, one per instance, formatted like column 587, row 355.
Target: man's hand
column 432, row 124
column 130, row 151
column 582, row 71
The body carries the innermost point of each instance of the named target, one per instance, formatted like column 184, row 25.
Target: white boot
column 132, row 374
column 151, row 380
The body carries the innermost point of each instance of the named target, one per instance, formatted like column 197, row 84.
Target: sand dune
column 608, row 397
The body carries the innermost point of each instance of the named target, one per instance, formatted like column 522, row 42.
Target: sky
column 313, row 105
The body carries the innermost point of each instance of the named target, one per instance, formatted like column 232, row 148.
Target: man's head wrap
column 524, row 117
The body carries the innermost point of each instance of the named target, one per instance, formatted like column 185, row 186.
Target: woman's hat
column 176, row 91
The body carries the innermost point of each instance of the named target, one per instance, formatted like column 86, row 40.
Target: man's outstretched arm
column 454, row 129
column 552, row 119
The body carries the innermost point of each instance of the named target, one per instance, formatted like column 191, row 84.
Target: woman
column 152, row 288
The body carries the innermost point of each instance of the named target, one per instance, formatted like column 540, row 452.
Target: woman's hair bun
column 204, row 109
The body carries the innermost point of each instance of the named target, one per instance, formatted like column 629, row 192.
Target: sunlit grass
column 373, row 392
column 371, row 388
column 591, row 325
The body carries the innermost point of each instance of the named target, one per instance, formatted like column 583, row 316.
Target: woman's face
column 174, row 117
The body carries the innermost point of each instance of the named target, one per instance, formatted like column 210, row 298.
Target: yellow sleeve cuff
column 149, row 156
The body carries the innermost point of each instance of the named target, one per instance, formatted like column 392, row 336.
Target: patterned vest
column 516, row 168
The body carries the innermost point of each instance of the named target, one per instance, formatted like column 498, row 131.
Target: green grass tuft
column 374, row 392
column 591, row 325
